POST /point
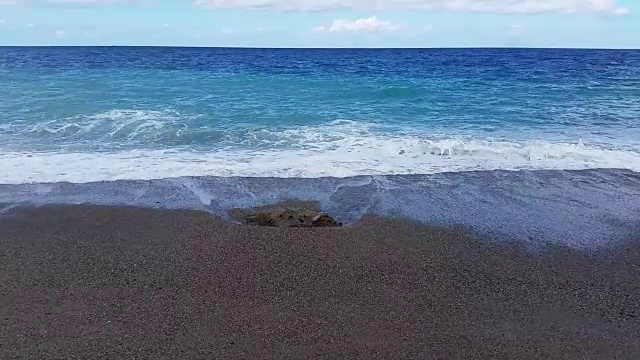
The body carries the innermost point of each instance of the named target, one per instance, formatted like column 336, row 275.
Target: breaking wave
column 137, row 144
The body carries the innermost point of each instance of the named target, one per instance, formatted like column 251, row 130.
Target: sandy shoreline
column 108, row 282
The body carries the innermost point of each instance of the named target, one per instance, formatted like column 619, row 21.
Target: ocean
column 537, row 145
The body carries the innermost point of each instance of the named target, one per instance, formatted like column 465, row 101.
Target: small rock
column 287, row 217
column 402, row 152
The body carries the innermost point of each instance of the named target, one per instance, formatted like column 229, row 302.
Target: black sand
column 93, row 282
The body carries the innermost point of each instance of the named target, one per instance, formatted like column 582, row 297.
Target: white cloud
column 371, row 24
column 483, row 6
column 60, row 33
column 622, row 11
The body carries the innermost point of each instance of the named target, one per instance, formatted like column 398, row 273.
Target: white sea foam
column 127, row 124
column 132, row 144
column 582, row 209
column 344, row 157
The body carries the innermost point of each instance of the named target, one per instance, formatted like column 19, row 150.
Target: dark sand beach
column 89, row 282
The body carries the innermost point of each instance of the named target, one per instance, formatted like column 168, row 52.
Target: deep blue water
column 204, row 117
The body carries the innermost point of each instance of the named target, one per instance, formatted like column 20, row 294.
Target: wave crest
column 137, row 144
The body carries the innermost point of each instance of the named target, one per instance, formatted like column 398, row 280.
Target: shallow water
column 582, row 209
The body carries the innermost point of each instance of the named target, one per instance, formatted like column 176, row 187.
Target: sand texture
column 85, row 282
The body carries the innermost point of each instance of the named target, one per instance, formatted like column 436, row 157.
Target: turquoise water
column 431, row 135
column 95, row 114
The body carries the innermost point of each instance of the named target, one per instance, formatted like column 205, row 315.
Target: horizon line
column 319, row 48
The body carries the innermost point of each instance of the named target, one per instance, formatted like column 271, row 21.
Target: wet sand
column 92, row 282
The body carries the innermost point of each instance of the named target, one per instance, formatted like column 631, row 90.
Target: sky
column 323, row 23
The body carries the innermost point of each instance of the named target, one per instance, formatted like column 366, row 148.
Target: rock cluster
column 290, row 217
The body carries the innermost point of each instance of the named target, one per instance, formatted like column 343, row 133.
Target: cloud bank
column 372, row 24
column 480, row 6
